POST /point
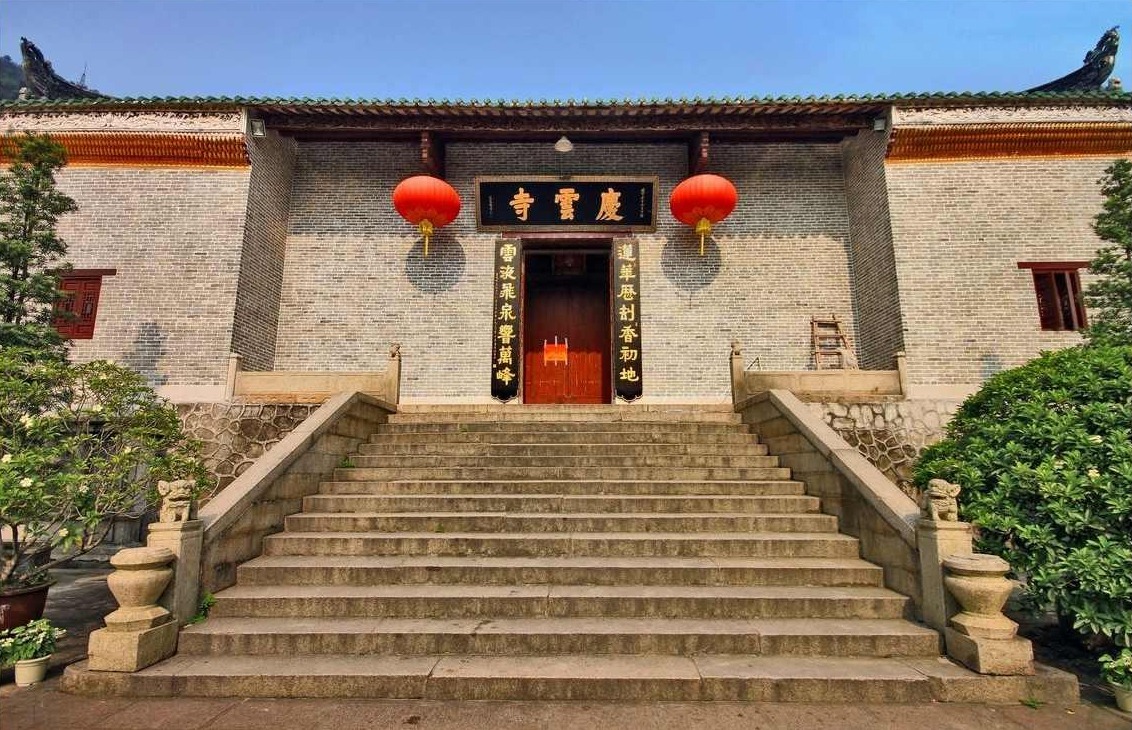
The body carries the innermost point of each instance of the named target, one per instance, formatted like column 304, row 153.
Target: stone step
column 641, row 678
column 592, row 544
column 567, row 437
column 623, row 487
column 535, row 636
column 559, row 503
column 489, row 602
column 329, row 570
column 576, row 426
column 483, row 448
column 534, row 464
column 602, row 414
column 582, row 473
column 557, row 522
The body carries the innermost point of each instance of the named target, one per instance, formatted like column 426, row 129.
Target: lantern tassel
column 703, row 227
column 425, row 228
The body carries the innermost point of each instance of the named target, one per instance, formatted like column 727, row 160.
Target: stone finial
column 939, row 501
column 140, row 632
column 736, row 348
column 980, row 636
column 395, row 351
column 177, row 503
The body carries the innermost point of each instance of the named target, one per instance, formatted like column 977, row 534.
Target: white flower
column 63, row 532
column 1093, row 473
column 96, row 408
column 127, row 450
column 1095, row 439
column 84, row 489
column 6, row 458
column 26, row 482
column 27, row 420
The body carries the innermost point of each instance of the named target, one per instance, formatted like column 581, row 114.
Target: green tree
column 1110, row 296
column 1044, row 455
column 31, row 251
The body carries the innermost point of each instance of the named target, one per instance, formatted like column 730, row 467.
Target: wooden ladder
column 831, row 347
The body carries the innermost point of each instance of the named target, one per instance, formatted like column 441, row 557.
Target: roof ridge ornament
column 1098, row 65
column 42, row 82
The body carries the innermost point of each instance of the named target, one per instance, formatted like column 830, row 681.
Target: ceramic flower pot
column 31, row 671
column 1123, row 697
column 19, row 606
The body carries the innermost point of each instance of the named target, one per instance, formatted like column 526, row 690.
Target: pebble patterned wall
column 891, row 435
column 234, row 435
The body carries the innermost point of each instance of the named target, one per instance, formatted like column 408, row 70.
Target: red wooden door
column 575, row 309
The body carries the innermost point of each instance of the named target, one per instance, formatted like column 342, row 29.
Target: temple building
column 575, row 399
column 953, row 228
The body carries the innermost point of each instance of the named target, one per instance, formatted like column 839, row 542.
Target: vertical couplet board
column 626, row 312
column 505, row 327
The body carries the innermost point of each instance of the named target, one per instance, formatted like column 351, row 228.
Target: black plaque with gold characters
column 626, row 321
column 505, row 323
column 582, row 204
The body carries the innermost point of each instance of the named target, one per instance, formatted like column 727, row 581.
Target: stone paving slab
column 46, row 708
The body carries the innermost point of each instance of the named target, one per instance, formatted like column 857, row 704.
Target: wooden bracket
column 432, row 155
column 698, row 153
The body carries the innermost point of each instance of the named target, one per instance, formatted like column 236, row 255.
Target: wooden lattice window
column 1057, row 286
column 76, row 309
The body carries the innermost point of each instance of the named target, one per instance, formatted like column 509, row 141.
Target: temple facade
column 952, row 228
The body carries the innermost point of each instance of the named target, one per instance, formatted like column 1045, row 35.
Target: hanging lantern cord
column 425, row 227
column 703, row 227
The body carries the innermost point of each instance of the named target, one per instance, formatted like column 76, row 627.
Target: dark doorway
column 566, row 346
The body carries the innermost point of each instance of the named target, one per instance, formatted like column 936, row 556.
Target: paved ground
column 81, row 595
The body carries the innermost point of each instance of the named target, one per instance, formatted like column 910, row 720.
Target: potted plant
column 29, row 648
column 80, row 445
column 1117, row 671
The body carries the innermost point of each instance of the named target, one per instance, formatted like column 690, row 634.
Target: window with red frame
column 76, row 309
column 1058, row 288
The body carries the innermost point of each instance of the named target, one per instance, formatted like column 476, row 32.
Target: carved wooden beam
column 432, row 155
column 151, row 150
column 698, row 153
column 553, row 128
column 984, row 141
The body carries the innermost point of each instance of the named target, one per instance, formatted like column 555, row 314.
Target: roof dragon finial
column 42, row 81
column 1098, row 64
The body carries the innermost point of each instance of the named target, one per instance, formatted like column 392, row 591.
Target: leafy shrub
column 79, row 445
column 1044, row 455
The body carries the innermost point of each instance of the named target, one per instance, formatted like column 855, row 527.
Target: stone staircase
column 560, row 553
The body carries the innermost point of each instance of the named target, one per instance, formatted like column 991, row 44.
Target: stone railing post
column 140, row 632
column 738, row 374
column 902, row 372
column 234, row 367
column 394, row 374
column 183, row 535
column 939, row 534
column 184, row 540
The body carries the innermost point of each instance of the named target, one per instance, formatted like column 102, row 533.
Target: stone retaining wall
column 891, row 434
column 234, row 435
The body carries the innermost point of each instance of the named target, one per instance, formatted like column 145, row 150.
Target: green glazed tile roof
column 299, row 105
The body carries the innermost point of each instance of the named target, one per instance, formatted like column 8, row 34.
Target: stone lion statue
column 940, row 501
column 176, row 500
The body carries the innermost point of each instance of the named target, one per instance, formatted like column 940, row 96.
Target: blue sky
column 562, row 48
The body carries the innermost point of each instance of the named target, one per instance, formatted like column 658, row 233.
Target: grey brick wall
column 959, row 230
column 261, row 264
column 355, row 280
column 174, row 235
column 874, row 266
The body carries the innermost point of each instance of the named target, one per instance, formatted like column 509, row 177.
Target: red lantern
column 428, row 202
column 701, row 201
